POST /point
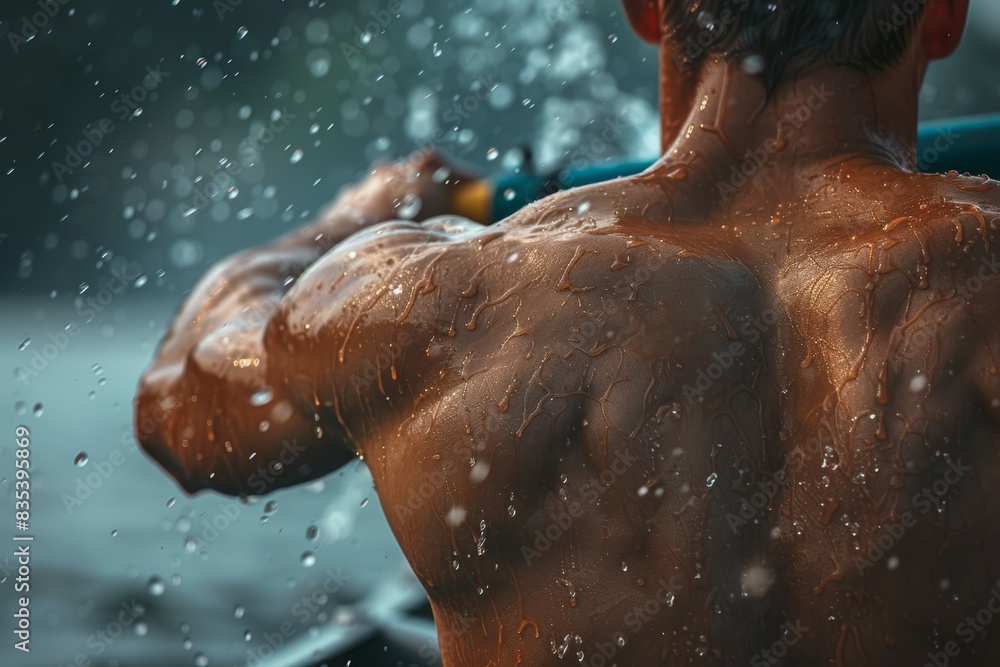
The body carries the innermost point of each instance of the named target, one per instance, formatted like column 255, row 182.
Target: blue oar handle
column 969, row 144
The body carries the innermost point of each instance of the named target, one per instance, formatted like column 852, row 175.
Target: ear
column 644, row 16
column 944, row 23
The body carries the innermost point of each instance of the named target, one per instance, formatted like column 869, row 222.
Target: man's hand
column 418, row 188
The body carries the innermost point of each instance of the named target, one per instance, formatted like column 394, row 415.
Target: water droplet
column 190, row 544
column 242, row 32
column 455, row 516
column 171, row 502
column 296, row 156
column 308, row 559
column 364, row 502
column 38, row 410
column 200, row 660
column 140, row 280
column 114, row 533
column 187, row 643
column 238, row 611
column 141, row 629
column 271, row 507
column 264, row 425
column 711, row 479
column 509, row 194
column 511, row 510
column 156, row 586
column 81, row 459
column 312, row 532
column 21, row 408
column 25, row 343
column 201, row 63
column 247, row 636
column 409, row 207
column 262, row 397
column 492, row 154
column 613, row 38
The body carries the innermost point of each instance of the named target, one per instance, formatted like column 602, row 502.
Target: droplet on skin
column 918, row 383
column 271, row 507
column 757, row 582
column 711, row 479
column 262, row 397
column 480, row 471
column 81, row 459
column 455, row 516
column 409, row 207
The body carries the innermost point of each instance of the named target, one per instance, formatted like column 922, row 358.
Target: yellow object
column 474, row 201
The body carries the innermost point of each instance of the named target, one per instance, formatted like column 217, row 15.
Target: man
column 740, row 409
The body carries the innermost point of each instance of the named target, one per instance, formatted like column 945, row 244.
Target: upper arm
column 349, row 333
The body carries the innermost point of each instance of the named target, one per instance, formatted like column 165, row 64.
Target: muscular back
column 615, row 430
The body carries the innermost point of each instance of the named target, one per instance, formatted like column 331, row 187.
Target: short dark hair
column 869, row 34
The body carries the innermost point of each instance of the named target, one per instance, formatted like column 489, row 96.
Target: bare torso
column 607, row 435
column 607, row 431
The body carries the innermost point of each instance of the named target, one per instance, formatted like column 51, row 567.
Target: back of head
column 770, row 36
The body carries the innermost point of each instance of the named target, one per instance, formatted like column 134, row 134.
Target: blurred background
column 140, row 143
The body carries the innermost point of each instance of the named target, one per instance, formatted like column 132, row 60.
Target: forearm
column 242, row 291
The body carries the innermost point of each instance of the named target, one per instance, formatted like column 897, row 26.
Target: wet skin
column 558, row 375
column 648, row 422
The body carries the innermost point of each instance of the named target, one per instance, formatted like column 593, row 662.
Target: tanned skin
column 673, row 419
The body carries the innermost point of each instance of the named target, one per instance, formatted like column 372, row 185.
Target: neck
column 813, row 123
